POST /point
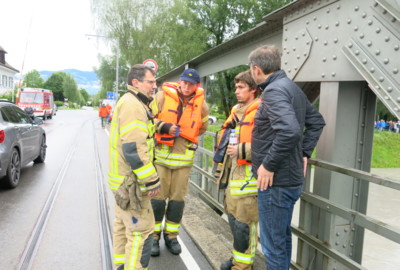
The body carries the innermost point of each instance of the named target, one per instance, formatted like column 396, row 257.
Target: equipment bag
column 220, row 150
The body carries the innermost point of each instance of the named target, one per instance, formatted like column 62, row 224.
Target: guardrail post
column 196, row 177
column 349, row 110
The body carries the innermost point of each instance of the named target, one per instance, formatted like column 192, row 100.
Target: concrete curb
column 210, row 232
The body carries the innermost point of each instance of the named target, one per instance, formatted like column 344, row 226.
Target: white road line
column 187, row 257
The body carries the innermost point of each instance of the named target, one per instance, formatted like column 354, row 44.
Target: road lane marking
column 187, row 257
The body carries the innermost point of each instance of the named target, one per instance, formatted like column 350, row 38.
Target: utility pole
column 116, row 74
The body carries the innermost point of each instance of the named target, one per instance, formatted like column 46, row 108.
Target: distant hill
column 86, row 79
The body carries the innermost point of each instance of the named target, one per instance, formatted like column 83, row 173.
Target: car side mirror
column 37, row 121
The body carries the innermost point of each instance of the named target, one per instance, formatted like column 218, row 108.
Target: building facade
column 7, row 74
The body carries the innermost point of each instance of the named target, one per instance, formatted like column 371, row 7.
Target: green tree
column 179, row 37
column 33, row 79
column 55, row 83
column 127, row 22
column 106, row 73
column 70, row 89
column 225, row 19
column 85, row 95
column 159, row 29
column 174, row 31
column 221, row 90
column 382, row 112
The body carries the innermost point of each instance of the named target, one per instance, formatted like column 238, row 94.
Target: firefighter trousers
column 170, row 202
column 133, row 236
column 243, row 218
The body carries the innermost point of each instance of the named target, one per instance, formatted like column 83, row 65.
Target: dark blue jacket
column 287, row 128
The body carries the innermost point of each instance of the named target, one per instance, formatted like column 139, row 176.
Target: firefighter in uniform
column 132, row 176
column 234, row 175
column 182, row 115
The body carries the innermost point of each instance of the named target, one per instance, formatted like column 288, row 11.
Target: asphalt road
column 60, row 216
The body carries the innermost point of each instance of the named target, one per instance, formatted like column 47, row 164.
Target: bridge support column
column 349, row 110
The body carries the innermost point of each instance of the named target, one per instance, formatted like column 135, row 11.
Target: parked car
column 212, row 119
column 22, row 140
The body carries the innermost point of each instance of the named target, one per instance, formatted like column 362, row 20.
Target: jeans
column 275, row 210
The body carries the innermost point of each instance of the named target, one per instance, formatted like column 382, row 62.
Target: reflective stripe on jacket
column 189, row 118
column 131, row 126
column 248, row 185
column 165, row 157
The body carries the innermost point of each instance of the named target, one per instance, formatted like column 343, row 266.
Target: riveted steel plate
column 330, row 24
column 294, row 57
column 375, row 53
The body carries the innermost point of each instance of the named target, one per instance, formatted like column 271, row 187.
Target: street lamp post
column 116, row 73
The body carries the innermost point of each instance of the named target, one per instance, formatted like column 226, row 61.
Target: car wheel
column 42, row 152
column 13, row 170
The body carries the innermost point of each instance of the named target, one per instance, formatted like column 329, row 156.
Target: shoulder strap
column 150, row 116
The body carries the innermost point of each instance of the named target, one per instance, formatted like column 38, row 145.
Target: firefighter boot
column 155, row 248
column 172, row 245
column 159, row 210
column 227, row 265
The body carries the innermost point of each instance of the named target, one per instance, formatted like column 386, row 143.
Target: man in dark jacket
column 287, row 128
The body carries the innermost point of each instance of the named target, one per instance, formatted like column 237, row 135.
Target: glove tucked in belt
column 129, row 193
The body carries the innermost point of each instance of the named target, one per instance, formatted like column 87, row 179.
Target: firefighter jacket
column 191, row 115
column 235, row 173
column 132, row 142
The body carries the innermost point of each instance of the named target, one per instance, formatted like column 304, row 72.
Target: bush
column 59, row 103
column 8, row 96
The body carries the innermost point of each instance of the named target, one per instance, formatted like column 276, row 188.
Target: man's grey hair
column 138, row 72
column 267, row 57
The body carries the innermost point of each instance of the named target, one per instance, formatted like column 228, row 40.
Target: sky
column 49, row 35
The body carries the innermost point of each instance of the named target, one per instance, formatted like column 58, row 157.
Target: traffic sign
column 111, row 95
column 151, row 63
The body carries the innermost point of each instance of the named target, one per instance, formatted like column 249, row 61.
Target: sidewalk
column 210, row 232
column 212, row 235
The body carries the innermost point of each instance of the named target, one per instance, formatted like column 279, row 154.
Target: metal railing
column 204, row 183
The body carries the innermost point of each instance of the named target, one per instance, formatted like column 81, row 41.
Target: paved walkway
column 383, row 204
column 212, row 234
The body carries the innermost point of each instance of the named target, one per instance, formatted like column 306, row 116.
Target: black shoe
column 173, row 245
column 227, row 265
column 155, row 248
column 121, row 267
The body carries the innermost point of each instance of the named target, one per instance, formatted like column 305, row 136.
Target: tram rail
column 33, row 244
column 104, row 224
